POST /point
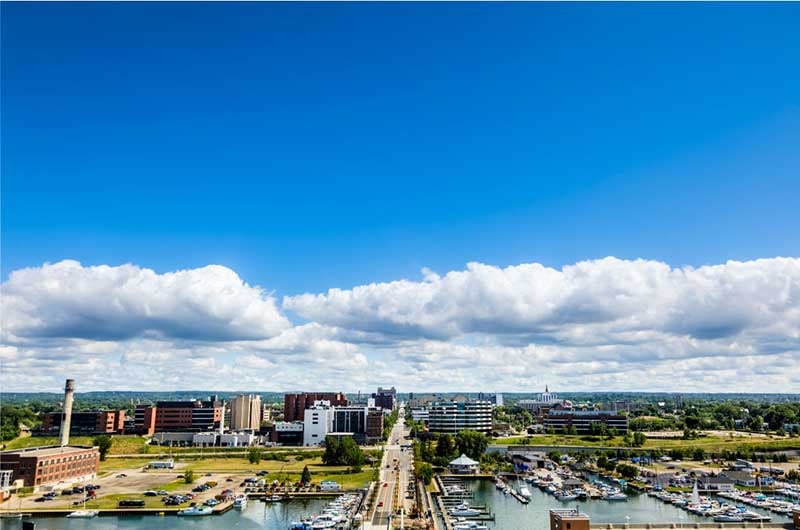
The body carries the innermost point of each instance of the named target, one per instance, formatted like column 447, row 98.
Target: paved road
column 393, row 482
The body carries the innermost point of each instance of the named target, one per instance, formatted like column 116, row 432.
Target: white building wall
column 317, row 423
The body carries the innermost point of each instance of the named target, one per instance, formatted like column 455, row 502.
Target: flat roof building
column 179, row 416
column 245, row 412
column 455, row 416
column 585, row 421
column 294, row 405
column 561, row 519
column 85, row 422
column 41, row 466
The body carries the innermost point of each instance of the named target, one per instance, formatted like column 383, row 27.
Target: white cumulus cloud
column 67, row 300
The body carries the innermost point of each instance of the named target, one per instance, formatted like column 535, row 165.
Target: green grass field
column 121, row 445
column 707, row 443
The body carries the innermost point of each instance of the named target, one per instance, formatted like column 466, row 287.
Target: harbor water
column 256, row 515
column 510, row 514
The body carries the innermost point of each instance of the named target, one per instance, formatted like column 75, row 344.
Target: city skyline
column 440, row 198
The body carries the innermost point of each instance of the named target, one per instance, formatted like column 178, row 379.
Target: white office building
column 454, row 416
column 317, row 423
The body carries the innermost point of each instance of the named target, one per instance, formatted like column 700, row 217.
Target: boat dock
column 454, row 493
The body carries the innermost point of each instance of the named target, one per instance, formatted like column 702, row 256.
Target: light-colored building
column 464, row 465
column 455, row 416
column 205, row 439
column 245, row 412
column 238, row 439
column 420, row 414
column 317, row 423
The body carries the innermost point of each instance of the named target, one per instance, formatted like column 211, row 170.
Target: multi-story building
column 455, row 416
column 546, row 402
column 365, row 424
column 583, row 420
column 294, row 405
column 317, row 423
column 287, row 433
column 374, row 425
column 179, row 416
column 420, row 415
column 245, row 412
column 41, row 466
column 385, row 398
column 494, row 399
column 86, row 423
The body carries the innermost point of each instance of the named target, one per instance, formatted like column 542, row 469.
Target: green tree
column 188, row 476
column 445, row 446
column 639, row 439
column 103, row 443
column 305, row 478
column 344, row 452
column 573, row 431
column 426, row 473
column 472, row 443
column 254, row 455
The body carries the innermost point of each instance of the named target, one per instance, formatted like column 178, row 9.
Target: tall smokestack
column 66, row 416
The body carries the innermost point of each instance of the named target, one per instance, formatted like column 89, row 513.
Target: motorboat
column 469, row 525
column 525, row 492
column 615, row 496
column 196, row 510
column 464, row 510
column 83, row 514
column 240, row 501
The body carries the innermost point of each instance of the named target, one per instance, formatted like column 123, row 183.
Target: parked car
column 150, row 493
column 122, row 475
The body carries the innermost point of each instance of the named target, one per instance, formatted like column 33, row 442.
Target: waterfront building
column 569, row 519
column 179, row 416
column 42, row 466
column 464, row 465
column 317, row 423
column 455, row 416
column 294, row 405
column 583, row 420
column 245, row 412
column 711, row 484
column 85, row 422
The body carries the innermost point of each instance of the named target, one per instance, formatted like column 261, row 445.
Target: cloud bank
column 601, row 324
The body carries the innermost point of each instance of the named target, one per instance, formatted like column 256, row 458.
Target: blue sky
column 318, row 145
column 314, row 146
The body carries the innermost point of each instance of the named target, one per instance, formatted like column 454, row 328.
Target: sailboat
column 83, row 514
column 695, row 494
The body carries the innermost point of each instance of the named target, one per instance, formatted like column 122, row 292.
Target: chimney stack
column 66, row 416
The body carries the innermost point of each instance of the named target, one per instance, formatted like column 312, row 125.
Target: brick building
column 39, row 466
column 178, row 416
column 385, row 398
column 86, row 423
column 294, row 405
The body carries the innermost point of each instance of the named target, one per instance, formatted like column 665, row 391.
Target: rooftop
column 50, row 450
